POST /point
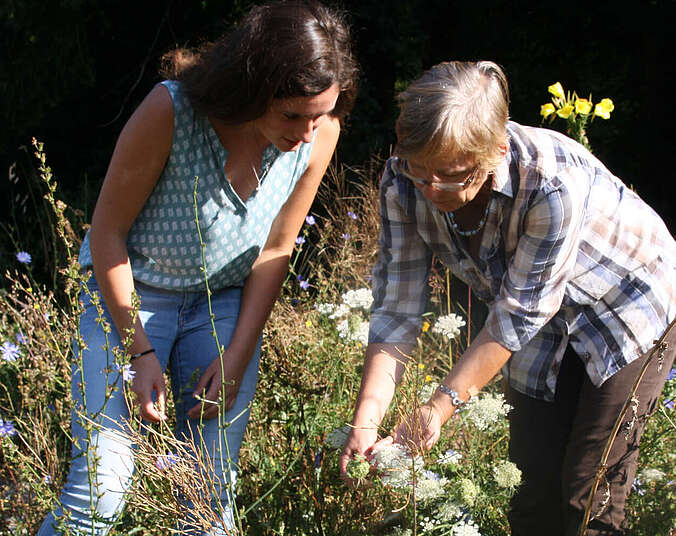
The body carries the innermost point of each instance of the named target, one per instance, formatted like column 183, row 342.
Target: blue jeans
column 179, row 328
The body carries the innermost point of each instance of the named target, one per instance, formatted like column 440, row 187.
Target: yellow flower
column 604, row 108
column 547, row 109
column 557, row 90
column 428, row 378
column 308, row 323
column 564, row 112
column 582, row 106
column 421, row 366
column 425, row 326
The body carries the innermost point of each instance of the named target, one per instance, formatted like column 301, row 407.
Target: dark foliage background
column 72, row 71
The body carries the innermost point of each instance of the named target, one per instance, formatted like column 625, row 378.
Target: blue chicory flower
column 352, row 215
column 7, row 429
column 672, row 374
column 310, row 220
column 10, row 351
column 166, row 461
column 125, row 370
column 345, row 236
column 21, row 338
column 670, row 404
column 300, row 240
column 24, row 257
column 304, row 285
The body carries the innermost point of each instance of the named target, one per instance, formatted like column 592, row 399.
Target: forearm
column 383, row 368
column 116, row 282
column 258, row 297
column 478, row 365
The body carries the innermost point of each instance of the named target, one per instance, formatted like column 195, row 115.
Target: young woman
column 256, row 117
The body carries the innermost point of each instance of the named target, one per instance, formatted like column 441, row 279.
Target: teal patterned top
column 163, row 243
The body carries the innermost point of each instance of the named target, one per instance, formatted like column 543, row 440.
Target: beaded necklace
column 472, row 232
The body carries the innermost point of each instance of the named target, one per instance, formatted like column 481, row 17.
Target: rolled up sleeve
column 401, row 271
column 533, row 286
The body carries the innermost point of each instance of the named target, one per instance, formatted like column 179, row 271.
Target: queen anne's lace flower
column 361, row 298
column 487, row 410
column 340, row 311
column 449, row 511
column 426, row 391
column 466, row 491
column 395, row 465
column 507, row 475
column 325, row 308
column 429, row 486
column 466, row 528
column 650, row 475
column 336, row 439
column 448, row 325
column 450, row 457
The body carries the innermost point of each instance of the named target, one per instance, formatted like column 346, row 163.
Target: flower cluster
column 7, row 428
column 576, row 111
column 566, row 105
column 485, row 411
column 351, row 326
column 507, row 475
column 448, row 325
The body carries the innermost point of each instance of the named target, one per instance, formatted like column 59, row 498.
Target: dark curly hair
column 278, row 50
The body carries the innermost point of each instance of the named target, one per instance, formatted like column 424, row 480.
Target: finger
column 385, row 442
column 161, row 399
column 147, row 408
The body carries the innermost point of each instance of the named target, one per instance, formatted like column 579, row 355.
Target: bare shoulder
column 325, row 141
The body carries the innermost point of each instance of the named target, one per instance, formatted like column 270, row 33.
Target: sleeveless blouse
column 164, row 243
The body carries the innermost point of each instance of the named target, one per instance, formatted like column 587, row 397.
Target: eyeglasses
column 403, row 167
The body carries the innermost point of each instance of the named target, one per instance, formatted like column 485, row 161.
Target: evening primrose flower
column 556, row 90
column 547, row 109
column 425, row 326
column 583, row 106
column 448, row 325
column 507, row 475
column 565, row 111
column 603, row 108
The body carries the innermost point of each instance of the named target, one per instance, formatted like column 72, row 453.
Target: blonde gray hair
column 455, row 109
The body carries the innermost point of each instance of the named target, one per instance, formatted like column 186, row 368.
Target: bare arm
column 383, row 368
column 137, row 162
column 477, row 366
column 267, row 275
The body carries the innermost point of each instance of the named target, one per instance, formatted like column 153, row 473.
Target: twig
column 658, row 348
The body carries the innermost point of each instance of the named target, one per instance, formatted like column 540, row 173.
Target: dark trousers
column 558, row 447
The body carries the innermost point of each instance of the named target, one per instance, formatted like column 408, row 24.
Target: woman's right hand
column 149, row 378
column 359, row 441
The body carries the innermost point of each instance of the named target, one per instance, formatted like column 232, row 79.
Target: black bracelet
column 134, row 356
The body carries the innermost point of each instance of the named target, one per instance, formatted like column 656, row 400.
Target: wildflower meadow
column 313, row 353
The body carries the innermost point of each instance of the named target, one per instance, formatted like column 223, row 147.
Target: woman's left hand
column 420, row 430
column 210, row 385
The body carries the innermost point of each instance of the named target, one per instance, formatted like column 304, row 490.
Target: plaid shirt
column 568, row 255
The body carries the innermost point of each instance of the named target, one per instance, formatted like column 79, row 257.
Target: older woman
column 578, row 273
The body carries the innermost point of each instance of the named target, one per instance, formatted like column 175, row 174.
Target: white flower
column 466, row 528
column 507, row 475
column 354, row 329
column 336, row 439
column 395, row 465
column 427, row 524
column 448, row 325
column 426, row 391
column 429, row 486
column 325, row 308
column 340, row 311
column 650, row 475
column 449, row 511
column 450, row 457
column 398, row 531
column 487, row 410
column 125, row 370
column 358, row 299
